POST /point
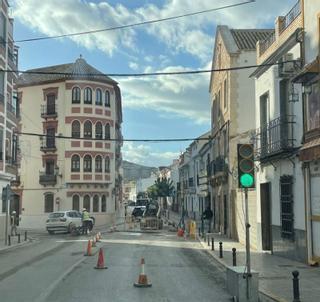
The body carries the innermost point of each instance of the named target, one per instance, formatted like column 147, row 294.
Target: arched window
column 103, row 204
column 75, row 129
column 48, row 203
column 107, row 131
column 98, row 163
column 98, row 130
column 88, row 95
column 107, row 164
column 76, row 95
column 87, row 163
column 95, row 203
column 107, row 99
column 86, row 202
column 87, row 129
column 76, row 202
column 75, row 163
column 98, row 97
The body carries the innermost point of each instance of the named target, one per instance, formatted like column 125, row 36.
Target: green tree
column 164, row 188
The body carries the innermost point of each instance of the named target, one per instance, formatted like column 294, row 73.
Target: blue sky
column 153, row 107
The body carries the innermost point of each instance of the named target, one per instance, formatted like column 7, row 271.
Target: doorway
column 266, row 216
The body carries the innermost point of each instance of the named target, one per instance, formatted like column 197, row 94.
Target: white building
column 142, row 184
column 279, row 181
column 9, row 116
column 83, row 170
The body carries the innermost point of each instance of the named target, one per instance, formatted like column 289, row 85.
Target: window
column 98, row 130
column 313, row 107
column 51, row 104
column 14, row 148
column 98, row 162
column 76, row 95
column 49, row 166
column 107, row 131
column 218, row 104
column 107, row 99
column 103, row 204
column 87, row 163
column 1, row 144
column 3, row 29
column 88, row 95
column 75, row 202
column 225, row 94
column 107, row 164
column 95, row 203
column 286, row 201
column 75, row 129
column 75, row 163
column 50, row 138
column 48, row 203
column 87, row 129
column 86, row 202
column 98, row 97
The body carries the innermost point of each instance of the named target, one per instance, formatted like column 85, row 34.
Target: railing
column 1, row 99
column 12, row 109
column 49, row 110
column 45, row 178
column 12, row 57
column 275, row 137
column 290, row 16
column 48, row 143
column 217, row 166
column 266, row 43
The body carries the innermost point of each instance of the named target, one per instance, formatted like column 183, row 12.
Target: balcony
column 48, row 145
column 13, row 110
column 290, row 17
column 49, row 111
column 13, row 56
column 16, row 182
column 47, row 179
column 275, row 138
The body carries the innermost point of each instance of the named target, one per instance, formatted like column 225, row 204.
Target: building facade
column 76, row 163
column 232, row 121
column 278, row 136
column 9, row 116
column 309, row 155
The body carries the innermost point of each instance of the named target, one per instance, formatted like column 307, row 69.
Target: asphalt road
column 54, row 269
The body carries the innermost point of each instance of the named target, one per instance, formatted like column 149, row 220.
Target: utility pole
column 6, row 194
column 248, row 262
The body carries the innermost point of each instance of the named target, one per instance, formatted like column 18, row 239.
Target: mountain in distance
column 132, row 171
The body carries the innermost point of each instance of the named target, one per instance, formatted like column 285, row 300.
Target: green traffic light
column 246, row 180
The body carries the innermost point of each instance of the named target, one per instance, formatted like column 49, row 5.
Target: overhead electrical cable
column 134, row 24
column 145, row 74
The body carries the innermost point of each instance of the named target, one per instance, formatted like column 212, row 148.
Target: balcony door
column 265, row 200
column 264, row 121
column 50, row 137
column 51, row 104
column 50, row 167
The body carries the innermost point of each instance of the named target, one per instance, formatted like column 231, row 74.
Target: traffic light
column 246, row 166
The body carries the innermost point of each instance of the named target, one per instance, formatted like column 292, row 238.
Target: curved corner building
column 81, row 169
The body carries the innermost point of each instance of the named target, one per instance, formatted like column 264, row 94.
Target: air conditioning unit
column 287, row 67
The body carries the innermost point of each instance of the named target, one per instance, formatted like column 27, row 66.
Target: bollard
column 18, row 238
column 212, row 244
column 295, row 281
column 9, row 240
column 234, row 256
column 199, row 232
column 208, row 240
column 25, row 236
column 220, row 250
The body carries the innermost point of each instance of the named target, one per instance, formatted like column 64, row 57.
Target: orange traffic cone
column 143, row 280
column 180, row 232
column 100, row 263
column 94, row 241
column 89, row 247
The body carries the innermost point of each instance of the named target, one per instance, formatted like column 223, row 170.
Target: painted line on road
column 43, row 297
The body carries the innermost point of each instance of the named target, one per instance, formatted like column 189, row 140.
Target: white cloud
column 183, row 95
column 145, row 155
column 185, row 35
column 133, row 66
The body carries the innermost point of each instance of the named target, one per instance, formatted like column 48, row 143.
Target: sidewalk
column 275, row 273
column 14, row 242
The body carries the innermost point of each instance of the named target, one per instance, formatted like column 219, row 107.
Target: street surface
column 54, row 269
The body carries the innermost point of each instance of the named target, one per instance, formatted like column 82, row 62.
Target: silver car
column 62, row 221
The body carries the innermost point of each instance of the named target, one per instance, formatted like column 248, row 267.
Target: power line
column 114, row 139
column 93, row 75
column 134, row 24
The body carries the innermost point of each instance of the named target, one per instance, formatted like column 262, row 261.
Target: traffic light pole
column 7, row 216
column 248, row 262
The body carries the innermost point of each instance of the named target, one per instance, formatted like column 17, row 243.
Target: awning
column 308, row 72
column 310, row 151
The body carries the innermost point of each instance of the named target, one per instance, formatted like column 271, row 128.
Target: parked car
column 61, row 221
column 137, row 212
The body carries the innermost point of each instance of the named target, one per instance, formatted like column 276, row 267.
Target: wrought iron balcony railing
column 48, row 144
column 47, row 179
column 290, row 16
column 49, row 110
column 217, row 166
column 275, row 137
